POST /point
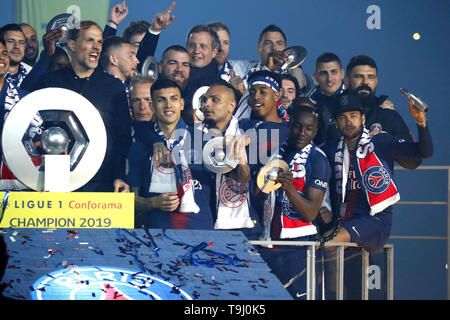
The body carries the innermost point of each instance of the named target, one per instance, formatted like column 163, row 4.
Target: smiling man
column 106, row 93
column 299, row 198
column 32, row 44
column 362, row 188
column 163, row 186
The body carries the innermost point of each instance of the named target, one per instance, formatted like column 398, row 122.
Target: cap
column 347, row 101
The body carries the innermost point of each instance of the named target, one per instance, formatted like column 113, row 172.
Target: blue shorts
column 370, row 232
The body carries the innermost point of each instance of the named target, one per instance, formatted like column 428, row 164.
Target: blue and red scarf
column 287, row 222
column 374, row 177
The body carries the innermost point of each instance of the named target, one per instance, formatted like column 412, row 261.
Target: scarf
column 291, row 223
column 177, row 179
column 232, row 198
column 18, row 78
column 374, row 177
column 225, row 71
column 12, row 97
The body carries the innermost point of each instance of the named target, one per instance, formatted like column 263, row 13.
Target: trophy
column 266, row 179
column 66, row 21
column 72, row 142
column 215, row 158
column 150, row 68
column 415, row 101
column 197, row 102
column 296, row 55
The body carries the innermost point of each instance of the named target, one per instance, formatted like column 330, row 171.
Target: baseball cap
column 347, row 101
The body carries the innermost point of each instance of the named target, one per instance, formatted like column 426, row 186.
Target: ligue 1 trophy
column 415, row 101
column 72, row 140
column 296, row 55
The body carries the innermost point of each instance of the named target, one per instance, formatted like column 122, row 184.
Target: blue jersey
column 140, row 163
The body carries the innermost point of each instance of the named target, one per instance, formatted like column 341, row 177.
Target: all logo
column 104, row 283
column 376, row 179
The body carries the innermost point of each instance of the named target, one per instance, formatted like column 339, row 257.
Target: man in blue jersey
column 298, row 200
column 159, row 174
column 228, row 190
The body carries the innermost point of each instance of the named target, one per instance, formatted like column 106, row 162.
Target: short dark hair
column 176, row 48
column 290, row 77
column 271, row 28
column 74, row 33
column 163, row 83
column 303, row 105
column 135, row 27
column 10, row 27
column 360, row 60
column 219, row 26
column 221, row 82
column 328, row 57
column 110, row 44
column 204, row 28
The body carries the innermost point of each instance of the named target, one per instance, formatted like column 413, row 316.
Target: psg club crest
column 104, row 283
column 288, row 209
column 376, row 179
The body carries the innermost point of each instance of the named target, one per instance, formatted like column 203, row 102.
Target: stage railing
column 388, row 248
column 312, row 247
column 446, row 168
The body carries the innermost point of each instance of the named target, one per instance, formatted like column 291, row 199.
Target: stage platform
column 138, row 264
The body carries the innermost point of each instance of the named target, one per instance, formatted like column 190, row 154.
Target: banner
column 38, row 13
column 88, row 210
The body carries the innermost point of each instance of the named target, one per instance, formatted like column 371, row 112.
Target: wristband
column 113, row 23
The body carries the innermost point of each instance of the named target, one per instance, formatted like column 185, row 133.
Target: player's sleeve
column 320, row 173
column 137, row 157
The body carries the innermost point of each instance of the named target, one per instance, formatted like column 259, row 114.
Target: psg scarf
column 180, row 172
column 374, row 177
column 287, row 222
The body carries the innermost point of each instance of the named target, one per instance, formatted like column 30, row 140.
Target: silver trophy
column 296, row 55
column 215, row 157
column 66, row 21
column 415, row 101
column 197, row 102
column 72, row 143
column 150, row 68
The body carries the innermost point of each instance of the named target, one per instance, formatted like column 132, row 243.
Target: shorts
column 370, row 232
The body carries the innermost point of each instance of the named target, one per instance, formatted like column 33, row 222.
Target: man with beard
column 363, row 80
column 175, row 65
column 362, row 190
column 32, row 44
